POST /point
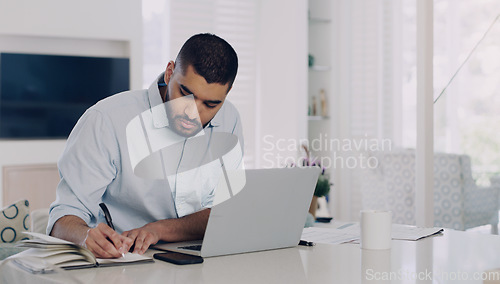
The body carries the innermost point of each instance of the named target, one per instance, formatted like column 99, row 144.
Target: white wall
column 113, row 26
column 270, row 90
column 282, row 73
column 88, row 28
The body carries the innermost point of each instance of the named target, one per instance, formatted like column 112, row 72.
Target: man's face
column 186, row 115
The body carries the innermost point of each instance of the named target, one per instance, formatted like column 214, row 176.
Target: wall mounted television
column 43, row 96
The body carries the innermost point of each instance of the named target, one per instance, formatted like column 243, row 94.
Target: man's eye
column 211, row 105
column 182, row 92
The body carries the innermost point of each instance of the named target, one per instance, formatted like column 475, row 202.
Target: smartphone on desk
column 178, row 258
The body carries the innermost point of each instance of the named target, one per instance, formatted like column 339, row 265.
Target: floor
column 486, row 229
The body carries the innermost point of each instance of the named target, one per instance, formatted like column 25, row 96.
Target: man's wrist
column 84, row 242
column 164, row 229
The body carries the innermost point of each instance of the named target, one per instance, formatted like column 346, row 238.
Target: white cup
column 376, row 229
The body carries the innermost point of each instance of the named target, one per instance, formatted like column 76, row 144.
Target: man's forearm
column 190, row 227
column 70, row 228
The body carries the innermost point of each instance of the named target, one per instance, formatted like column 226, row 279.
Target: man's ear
column 169, row 71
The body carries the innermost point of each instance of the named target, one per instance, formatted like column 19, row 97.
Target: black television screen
column 43, row 96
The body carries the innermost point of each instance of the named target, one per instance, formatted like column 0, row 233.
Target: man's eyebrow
column 213, row 101
column 186, row 89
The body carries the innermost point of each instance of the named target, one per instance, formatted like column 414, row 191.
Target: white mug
column 376, row 228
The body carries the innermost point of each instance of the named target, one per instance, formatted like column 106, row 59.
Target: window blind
column 371, row 32
column 236, row 22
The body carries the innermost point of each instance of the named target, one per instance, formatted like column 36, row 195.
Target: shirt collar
column 217, row 120
column 158, row 112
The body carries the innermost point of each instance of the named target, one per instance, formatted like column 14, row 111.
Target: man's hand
column 104, row 242
column 143, row 237
column 187, row 228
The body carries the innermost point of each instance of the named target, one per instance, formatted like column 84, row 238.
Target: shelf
column 321, row 68
column 317, row 20
column 317, row 117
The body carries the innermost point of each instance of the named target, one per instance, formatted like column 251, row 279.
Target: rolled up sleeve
column 87, row 166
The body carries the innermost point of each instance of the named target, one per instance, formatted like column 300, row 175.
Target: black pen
column 107, row 215
column 306, row 243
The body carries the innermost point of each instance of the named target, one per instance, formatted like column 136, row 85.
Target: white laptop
column 268, row 213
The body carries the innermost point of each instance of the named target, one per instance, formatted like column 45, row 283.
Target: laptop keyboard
column 193, row 247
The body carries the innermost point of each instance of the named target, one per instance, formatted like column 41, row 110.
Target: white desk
column 453, row 255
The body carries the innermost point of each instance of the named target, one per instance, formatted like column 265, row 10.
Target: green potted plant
column 322, row 189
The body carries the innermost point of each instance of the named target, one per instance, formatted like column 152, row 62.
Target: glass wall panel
column 466, row 116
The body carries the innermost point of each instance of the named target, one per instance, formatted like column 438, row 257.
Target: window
column 168, row 24
column 466, row 39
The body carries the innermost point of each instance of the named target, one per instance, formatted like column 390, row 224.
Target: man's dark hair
column 212, row 58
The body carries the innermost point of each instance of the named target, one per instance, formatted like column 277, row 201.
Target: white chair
column 458, row 202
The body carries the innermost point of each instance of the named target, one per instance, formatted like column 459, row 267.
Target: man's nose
column 191, row 111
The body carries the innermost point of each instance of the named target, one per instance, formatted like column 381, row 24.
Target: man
column 96, row 165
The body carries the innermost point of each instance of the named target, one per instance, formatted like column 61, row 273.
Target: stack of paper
column 350, row 232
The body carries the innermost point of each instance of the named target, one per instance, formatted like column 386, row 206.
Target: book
column 68, row 255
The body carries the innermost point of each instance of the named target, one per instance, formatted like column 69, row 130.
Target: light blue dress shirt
column 96, row 167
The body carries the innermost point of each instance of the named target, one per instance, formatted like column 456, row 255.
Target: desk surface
column 440, row 259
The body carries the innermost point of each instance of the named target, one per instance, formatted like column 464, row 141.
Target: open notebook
column 69, row 255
